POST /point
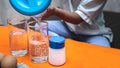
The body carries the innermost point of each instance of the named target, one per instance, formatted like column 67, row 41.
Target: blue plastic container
column 30, row 7
column 57, row 42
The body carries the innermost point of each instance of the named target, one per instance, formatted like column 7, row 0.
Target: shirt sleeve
column 90, row 9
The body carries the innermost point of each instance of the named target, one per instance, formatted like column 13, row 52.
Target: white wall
column 6, row 11
column 2, row 13
column 113, row 6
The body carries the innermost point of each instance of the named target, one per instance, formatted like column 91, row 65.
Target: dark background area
column 113, row 21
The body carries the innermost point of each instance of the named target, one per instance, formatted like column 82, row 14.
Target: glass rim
column 15, row 21
column 39, row 23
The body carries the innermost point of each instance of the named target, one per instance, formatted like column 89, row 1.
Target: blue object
column 56, row 42
column 30, row 7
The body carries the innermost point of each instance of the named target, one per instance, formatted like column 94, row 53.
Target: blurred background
column 111, row 11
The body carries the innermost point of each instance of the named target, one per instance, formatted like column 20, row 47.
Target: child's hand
column 49, row 12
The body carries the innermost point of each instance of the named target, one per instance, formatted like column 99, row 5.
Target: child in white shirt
column 82, row 20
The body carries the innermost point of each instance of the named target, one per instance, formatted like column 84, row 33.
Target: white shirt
column 91, row 12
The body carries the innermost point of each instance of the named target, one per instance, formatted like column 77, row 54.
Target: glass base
column 39, row 59
column 19, row 53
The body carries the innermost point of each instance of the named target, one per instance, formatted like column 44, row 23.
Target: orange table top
column 78, row 54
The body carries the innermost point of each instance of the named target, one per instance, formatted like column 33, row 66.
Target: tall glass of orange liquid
column 38, row 42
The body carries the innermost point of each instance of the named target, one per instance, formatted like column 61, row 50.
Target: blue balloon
column 30, row 7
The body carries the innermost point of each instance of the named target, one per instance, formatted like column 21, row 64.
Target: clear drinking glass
column 18, row 35
column 38, row 42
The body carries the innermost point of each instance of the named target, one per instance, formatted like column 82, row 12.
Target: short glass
column 38, row 42
column 18, row 36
